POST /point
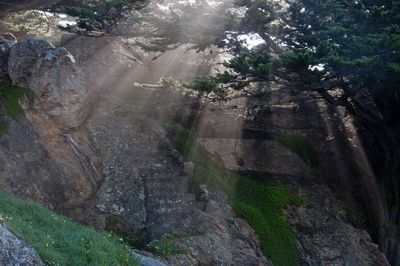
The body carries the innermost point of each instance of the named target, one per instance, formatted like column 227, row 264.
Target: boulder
column 15, row 251
column 61, row 89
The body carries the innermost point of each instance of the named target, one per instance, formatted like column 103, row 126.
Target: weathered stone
column 61, row 89
column 15, row 251
column 225, row 238
column 144, row 177
column 253, row 155
column 325, row 237
column 26, row 169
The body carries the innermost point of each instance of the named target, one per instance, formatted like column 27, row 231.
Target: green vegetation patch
column 165, row 246
column 9, row 97
column 60, row 241
column 300, row 145
column 260, row 204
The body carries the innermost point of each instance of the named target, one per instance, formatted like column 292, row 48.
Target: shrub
column 165, row 246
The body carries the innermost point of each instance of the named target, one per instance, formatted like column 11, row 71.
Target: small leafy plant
column 165, row 246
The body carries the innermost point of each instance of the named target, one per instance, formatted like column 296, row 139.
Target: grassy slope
column 260, row 204
column 60, row 241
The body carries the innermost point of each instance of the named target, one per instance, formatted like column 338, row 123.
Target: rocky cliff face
column 140, row 187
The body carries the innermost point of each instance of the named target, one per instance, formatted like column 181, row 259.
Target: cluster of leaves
column 357, row 42
column 195, row 24
column 258, row 65
column 60, row 241
column 10, row 96
column 261, row 204
column 100, row 16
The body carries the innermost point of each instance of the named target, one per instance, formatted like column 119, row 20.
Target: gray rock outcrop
column 146, row 191
column 325, row 235
column 61, row 89
column 15, row 251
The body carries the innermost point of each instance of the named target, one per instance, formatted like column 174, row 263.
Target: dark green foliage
column 99, row 16
column 3, row 128
column 182, row 139
column 204, row 85
column 357, row 220
column 10, row 95
column 9, row 98
column 260, row 204
column 248, row 63
column 60, row 241
column 258, row 18
column 358, row 42
column 297, row 60
column 300, row 145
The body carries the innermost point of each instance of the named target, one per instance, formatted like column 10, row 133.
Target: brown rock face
column 61, row 89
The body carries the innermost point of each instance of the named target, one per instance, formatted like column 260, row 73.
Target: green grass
column 260, row 204
column 300, row 145
column 60, row 241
